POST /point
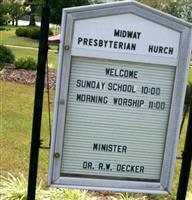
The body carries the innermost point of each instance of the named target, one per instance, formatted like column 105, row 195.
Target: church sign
column 119, row 98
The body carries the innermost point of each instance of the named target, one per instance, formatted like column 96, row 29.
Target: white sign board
column 126, row 34
column 116, row 120
column 120, row 91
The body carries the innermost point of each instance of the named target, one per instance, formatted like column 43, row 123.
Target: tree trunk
column 32, row 20
column 16, row 22
column 32, row 16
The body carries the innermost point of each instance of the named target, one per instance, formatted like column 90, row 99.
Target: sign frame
column 69, row 17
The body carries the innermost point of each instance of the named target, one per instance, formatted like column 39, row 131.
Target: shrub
column 1, row 66
column 34, row 33
column 6, row 56
column 14, row 188
column 22, row 32
column 30, row 32
column 26, row 63
column 67, row 194
column 127, row 196
column 2, row 28
column 50, row 32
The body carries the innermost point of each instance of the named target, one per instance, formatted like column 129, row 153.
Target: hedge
column 32, row 32
column 6, row 56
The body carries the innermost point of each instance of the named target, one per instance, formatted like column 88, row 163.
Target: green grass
column 178, row 167
column 8, row 37
column 16, row 122
column 190, row 75
column 53, row 59
column 21, row 52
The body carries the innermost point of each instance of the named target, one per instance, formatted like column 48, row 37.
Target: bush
column 2, row 28
column 6, row 56
column 22, row 32
column 67, row 194
column 15, row 188
column 34, row 33
column 26, row 63
column 30, row 32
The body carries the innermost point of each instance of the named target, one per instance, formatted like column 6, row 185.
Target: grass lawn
column 21, row 52
column 8, row 37
column 16, row 122
column 190, row 75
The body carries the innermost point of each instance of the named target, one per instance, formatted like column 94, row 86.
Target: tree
column 56, row 8
column 16, row 10
column 57, row 5
column 33, row 5
column 181, row 9
column 3, row 11
column 157, row 4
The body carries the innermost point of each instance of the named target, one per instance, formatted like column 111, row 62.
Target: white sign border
column 69, row 17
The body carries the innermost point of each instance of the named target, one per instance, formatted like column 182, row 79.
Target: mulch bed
column 11, row 74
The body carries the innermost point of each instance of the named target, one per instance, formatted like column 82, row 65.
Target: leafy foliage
column 128, row 196
column 26, row 63
column 181, row 9
column 6, row 56
column 156, row 3
column 2, row 28
column 3, row 8
column 58, row 5
column 15, row 10
column 30, row 32
column 13, row 188
column 33, row 7
column 55, row 194
column 22, row 32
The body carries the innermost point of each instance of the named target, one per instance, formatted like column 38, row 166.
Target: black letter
column 107, row 71
column 78, row 97
column 80, row 39
column 95, row 147
column 116, row 33
column 78, row 83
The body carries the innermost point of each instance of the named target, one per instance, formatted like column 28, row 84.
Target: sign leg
column 35, row 140
column 186, row 163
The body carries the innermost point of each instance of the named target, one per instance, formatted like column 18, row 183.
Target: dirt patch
column 11, row 74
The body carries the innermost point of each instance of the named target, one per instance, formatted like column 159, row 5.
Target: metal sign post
column 187, row 156
column 35, row 140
